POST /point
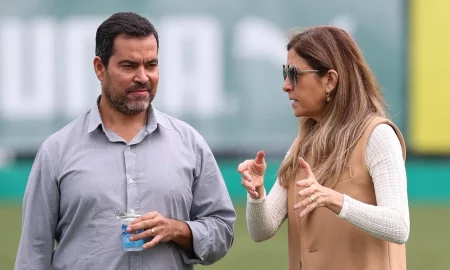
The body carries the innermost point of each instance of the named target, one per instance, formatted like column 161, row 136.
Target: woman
column 342, row 185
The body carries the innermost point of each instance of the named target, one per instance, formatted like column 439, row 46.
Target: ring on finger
column 311, row 199
column 153, row 231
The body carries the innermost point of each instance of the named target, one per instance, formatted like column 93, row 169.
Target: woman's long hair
column 355, row 100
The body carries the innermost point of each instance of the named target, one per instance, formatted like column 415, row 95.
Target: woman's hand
column 252, row 172
column 316, row 194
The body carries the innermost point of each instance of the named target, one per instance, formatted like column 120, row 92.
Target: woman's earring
column 328, row 95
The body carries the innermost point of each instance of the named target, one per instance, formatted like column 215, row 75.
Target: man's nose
column 141, row 76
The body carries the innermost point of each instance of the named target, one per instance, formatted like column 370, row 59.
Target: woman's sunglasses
column 292, row 71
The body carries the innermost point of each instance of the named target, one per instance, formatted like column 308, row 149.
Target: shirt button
column 130, row 181
column 128, row 147
column 132, row 211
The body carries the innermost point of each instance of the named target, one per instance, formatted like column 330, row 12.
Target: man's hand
column 162, row 229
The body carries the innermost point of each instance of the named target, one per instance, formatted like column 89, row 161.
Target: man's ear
column 99, row 68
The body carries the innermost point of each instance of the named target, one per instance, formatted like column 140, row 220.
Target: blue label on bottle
column 127, row 243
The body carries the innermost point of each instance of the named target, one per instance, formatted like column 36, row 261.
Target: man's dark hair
column 122, row 23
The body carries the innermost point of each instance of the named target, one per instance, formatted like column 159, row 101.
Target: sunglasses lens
column 292, row 74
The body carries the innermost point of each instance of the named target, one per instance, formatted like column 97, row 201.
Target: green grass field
column 428, row 247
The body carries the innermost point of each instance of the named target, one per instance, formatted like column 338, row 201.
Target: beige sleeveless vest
column 322, row 241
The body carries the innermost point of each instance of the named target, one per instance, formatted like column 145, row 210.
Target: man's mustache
column 138, row 87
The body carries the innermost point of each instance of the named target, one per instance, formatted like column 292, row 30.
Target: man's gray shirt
column 84, row 172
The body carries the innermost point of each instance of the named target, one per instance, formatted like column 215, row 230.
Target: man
column 125, row 154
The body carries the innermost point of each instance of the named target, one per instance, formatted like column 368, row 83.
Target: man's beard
column 127, row 106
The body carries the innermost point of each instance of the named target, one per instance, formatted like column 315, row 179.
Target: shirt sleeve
column 266, row 215
column 212, row 216
column 39, row 215
column 389, row 219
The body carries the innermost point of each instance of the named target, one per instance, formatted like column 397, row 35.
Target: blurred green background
column 221, row 72
column 428, row 246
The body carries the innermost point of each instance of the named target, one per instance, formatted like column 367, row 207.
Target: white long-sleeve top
column 388, row 220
